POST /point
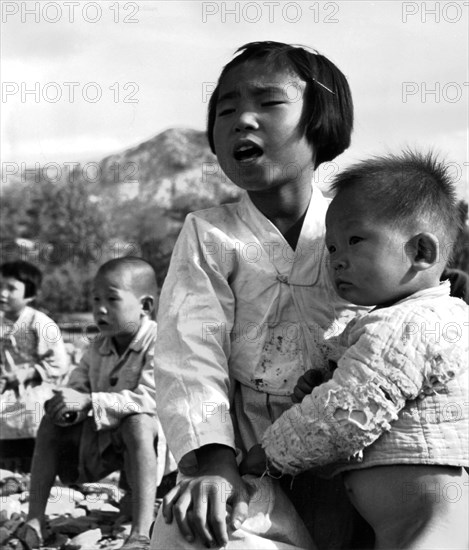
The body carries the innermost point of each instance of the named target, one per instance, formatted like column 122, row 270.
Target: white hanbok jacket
column 242, row 315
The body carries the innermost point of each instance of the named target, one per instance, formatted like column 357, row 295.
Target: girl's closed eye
column 226, row 111
column 272, row 103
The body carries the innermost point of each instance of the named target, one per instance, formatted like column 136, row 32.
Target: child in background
column 33, row 358
column 394, row 416
column 247, row 305
column 105, row 419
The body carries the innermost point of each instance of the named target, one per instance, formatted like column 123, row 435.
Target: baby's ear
column 423, row 251
column 148, row 305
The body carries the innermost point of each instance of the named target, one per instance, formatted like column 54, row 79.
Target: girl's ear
column 423, row 251
column 148, row 305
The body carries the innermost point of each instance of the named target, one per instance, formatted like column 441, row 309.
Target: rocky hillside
column 175, row 164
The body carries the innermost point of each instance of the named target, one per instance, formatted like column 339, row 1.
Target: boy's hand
column 67, row 400
column 306, row 384
column 254, row 462
column 199, row 503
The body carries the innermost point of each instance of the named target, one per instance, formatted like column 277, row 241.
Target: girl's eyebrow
column 255, row 89
column 228, row 95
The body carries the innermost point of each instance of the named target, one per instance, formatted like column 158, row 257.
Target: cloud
column 170, row 53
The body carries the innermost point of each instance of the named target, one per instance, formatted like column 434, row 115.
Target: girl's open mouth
column 247, row 152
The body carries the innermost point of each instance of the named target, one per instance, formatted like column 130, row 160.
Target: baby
column 394, row 415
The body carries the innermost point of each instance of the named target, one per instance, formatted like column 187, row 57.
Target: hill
column 175, row 164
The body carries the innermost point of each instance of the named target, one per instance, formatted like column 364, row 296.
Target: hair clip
column 324, row 86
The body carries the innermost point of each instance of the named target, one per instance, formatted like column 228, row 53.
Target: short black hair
column 142, row 272
column 28, row 274
column 327, row 120
column 407, row 189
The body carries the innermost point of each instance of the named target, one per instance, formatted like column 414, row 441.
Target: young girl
column 247, row 306
column 33, row 358
column 394, row 416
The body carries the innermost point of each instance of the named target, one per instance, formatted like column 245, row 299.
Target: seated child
column 105, row 419
column 394, row 416
column 33, row 358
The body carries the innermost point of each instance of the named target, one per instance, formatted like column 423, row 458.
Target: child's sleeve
column 110, row 407
column 374, row 379
column 194, row 324
column 52, row 361
column 80, row 376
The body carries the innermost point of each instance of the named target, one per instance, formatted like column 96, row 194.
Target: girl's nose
column 247, row 120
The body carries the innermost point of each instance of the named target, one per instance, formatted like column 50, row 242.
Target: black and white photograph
column 234, row 275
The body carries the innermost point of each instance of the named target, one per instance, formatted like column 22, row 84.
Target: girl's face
column 257, row 135
column 12, row 300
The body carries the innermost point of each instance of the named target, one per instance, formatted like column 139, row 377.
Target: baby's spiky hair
column 411, row 188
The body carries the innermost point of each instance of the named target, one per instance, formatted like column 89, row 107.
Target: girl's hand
column 254, row 462
column 306, row 384
column 199, row 503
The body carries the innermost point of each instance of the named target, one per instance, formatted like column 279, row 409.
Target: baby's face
column 12, row 299
column 367, row 259
column 257, row 137
column 116, row 309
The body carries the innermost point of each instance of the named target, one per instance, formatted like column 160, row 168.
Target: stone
column 87, row 540
column 72, row 526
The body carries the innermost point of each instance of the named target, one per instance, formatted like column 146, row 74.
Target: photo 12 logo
column 436, row 12
column 71, row 92
column 434, row 92
column 70, row 172
column 270, row 12
column 69, row 12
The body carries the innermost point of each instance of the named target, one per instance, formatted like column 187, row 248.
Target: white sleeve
column 195, row 320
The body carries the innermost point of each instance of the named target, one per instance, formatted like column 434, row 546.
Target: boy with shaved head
column 105, row 419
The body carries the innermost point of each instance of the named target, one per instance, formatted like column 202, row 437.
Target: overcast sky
column 81, row 80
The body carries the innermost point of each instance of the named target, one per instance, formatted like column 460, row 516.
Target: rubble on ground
column 84, row 517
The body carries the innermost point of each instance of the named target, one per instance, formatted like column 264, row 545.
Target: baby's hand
column 306, row 384
column 254, row 462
